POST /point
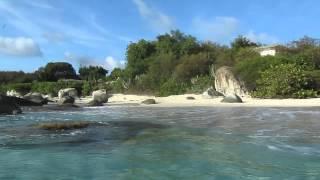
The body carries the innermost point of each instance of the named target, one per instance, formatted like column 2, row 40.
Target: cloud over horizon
column 159, row 21
column 261, row 37
column 220, row 28
column 20, row 46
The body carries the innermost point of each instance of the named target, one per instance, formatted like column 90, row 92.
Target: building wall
column 268, row 52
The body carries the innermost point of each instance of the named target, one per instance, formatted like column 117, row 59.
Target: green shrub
column 249, row 70
column 54, row 87
column 284, row 81
column 117, row 86
column 22, row 88
column 172, row 87
column 200, row 84
column 46, row 88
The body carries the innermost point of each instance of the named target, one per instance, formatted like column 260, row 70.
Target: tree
column 176, row 43
column 242, row 42
column 137, row 53
column 192, row 66
column 305, row 43
column 16, row 77
column 92, row 73
column 56, row 71
column 116, row 74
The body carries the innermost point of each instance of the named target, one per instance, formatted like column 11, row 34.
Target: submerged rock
column 227, row 83
column 149, row 101
column 58, row 126
column 8, row 106
column 73, row 133
column 233, row 98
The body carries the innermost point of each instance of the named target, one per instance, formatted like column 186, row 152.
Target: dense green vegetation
column 176, row 63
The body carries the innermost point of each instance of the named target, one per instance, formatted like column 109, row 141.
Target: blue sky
column 97, row 32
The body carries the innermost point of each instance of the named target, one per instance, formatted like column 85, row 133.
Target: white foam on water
column 74, row 133
column 273, row 148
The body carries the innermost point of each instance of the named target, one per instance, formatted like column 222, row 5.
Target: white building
column 267, row 50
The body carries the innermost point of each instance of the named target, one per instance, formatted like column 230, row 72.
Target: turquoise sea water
column 164, row 143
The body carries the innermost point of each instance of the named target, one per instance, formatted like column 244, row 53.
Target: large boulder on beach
column 8, row 106
column 66, row 100
column 211, row 93
column 100, row 96
column 72, row 92
column 35, row 97
column 232, row 98
column 227, row 83
column 149, row 101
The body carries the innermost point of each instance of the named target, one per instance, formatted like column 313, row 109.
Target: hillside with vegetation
column 175, row 63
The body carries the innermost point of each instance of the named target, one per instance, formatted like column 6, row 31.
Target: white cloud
column 19, row 46
column 108, row 63
column 111, row 63
column 261, row 37
column 220, row 29
column 157, row 19
column 36, row 24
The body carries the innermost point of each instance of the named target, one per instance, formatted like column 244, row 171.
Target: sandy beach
column 181, row 100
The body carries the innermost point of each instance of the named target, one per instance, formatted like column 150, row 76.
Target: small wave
column 73, row 133
column 274, row 148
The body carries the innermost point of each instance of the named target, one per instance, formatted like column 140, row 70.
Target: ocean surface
column 163, row 143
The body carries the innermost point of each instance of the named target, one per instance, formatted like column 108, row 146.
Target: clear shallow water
column 164, row 143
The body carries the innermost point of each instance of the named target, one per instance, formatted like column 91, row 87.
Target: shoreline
column 182, row 101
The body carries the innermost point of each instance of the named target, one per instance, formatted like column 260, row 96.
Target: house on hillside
column 270, row 50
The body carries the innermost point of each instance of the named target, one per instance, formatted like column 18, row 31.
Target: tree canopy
column 56, row 71
column 92, row 73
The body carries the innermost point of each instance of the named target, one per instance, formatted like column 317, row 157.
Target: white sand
column 181, row 100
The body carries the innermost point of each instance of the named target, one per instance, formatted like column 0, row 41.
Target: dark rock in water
column 8, row 106
column 23, row 102
column 66, row 100
column 35, row 97
column 149, row 101
column 191, row 98
column 232, row 99
column 94, row 103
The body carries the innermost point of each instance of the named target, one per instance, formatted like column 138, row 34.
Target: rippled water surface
column 164, row 143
